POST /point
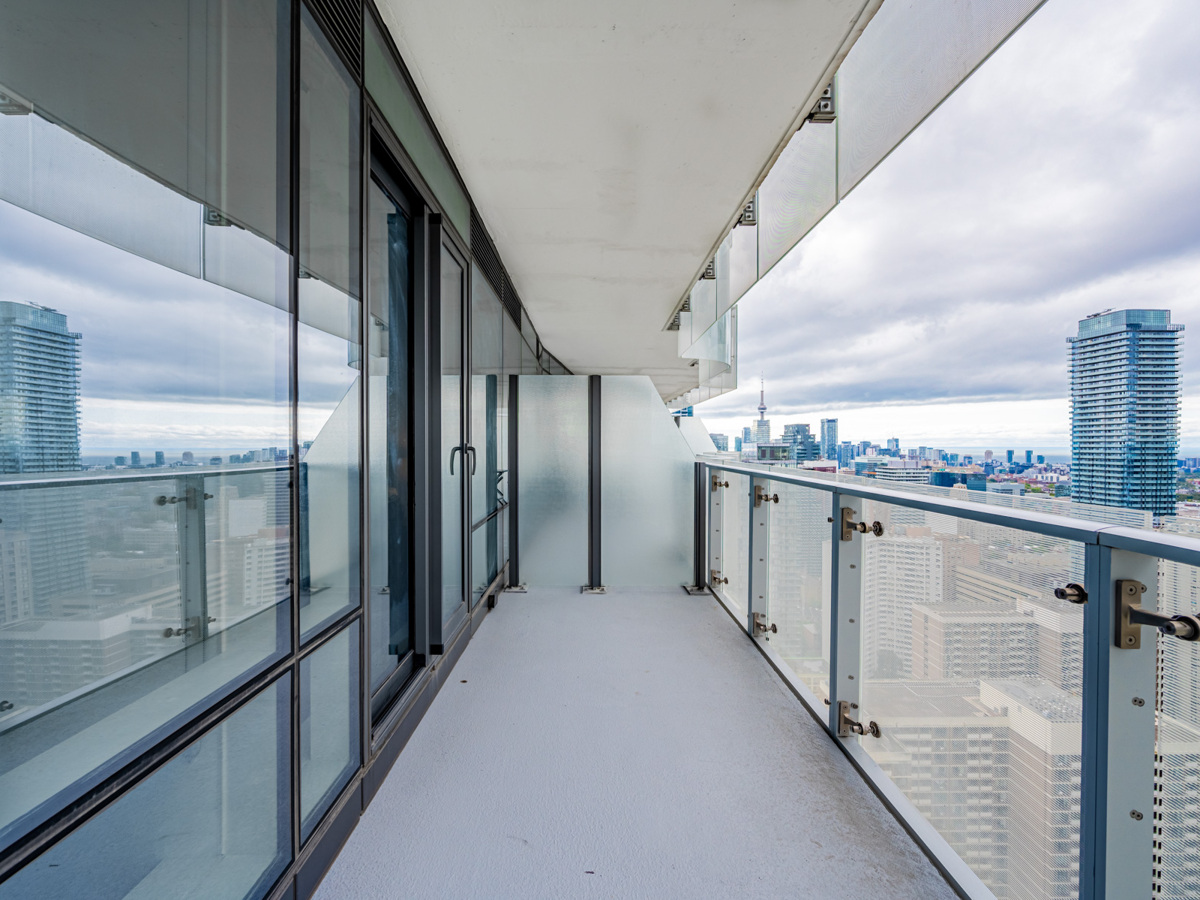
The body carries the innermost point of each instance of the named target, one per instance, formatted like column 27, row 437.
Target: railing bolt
column 1138, row 701
column 1135, row 815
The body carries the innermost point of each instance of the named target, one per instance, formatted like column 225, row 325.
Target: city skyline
column 932, row 331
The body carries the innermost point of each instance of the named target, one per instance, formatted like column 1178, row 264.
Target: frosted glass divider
column 647, row 486
column 553, row 447
column 797, row 193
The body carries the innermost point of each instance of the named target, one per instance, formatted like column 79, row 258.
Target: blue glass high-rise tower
column 1125, row 409
column 39, row 390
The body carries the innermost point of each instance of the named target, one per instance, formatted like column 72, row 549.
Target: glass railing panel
column 973, row 672
column 799, row 583
column 330, row 731
column 735, row 544
column 1177, row 745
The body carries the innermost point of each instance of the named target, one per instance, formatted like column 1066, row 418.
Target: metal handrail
column 155, row 473
column 1167, row 545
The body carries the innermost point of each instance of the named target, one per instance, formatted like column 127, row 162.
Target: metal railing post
column 699, row 530
column 716, row 522
column 189, row 501
column 845, row 616
column 758, row 590
column 1117, row 779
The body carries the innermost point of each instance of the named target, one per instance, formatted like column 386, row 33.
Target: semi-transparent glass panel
column 553, row 436
column 799, row 190
column 391, row 91
column 734, row 560
column 646, row 516
column 388, row 291
column 973, row 671
column 799, row 582
column 487, row 365
column 151, row 127
column 329, row 724
column 909, row 59
column 1177, row 747
column 217, row 816
column 453, row 289
column 743, row 261
column 485, row 549
column 329, row 344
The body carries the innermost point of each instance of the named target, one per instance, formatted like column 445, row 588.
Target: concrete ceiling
column 609, row 146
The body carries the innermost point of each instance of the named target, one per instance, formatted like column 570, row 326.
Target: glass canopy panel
column 797, row 193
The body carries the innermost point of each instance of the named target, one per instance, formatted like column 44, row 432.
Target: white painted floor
column 633, row 744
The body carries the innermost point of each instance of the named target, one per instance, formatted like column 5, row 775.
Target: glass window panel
column 453, row 289
column 485, row 548
column 329, row 346
column 644, row 456
column 178, row 140
column 973, row 671
column 487, row 364
column 402, row 111
column 798, row 191
column 329, row 725
column 553, row 436
column 388, row 410
column 743, row 261
column 163, row 435
column 217, row 814
column 799, row 582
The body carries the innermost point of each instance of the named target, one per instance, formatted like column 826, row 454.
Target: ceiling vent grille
column 487, row 260
column 342, row 22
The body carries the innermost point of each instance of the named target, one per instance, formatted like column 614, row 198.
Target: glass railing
column 128, row 600
column 983, row 666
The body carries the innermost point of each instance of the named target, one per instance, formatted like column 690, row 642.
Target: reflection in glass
column 329, row 348
column 329, row 726
column 388, row 427
column 217, row 814
column 452, row 481
column 487, row 360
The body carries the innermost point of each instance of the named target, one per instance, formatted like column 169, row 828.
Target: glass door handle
column 457, row 449
column 471, row 450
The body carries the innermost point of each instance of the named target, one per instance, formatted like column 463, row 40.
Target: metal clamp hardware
column 1072, row 593
column 718, row 483
column 163, row 499
column 849, row 526
column 762, row 627
column 714, row 577
column 761, row 495
column 847, row 726
column 1131, row 617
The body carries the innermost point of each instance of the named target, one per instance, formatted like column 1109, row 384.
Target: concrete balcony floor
column 633, row 744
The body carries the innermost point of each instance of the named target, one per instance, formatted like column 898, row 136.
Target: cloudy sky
column 933, row 304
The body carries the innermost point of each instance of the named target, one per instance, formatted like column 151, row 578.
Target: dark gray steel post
column 514, row 482
column 595, row 579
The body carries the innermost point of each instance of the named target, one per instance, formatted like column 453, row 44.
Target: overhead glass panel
column 743, row 261
column 799, row 190
column 908, row 60
column 216, row 816
column 329, row 343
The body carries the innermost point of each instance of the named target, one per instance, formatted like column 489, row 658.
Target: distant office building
column 845, row 454
column 1006, row 487
column 39, row 390
column 737, row 444
column 135, row 458
column 1029, row 457
column 802, row 441
column 747, row 436
column 1041, row 460
column 893, row 445
column 774, row 452
column 16, row 577
column 987, row 455
column 762, row 431
column 120, row 461
column 160, row 458
column 905, row 474
column 1009, row 455
column 1125, row 409
column 720, row 441
column 829, row 438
